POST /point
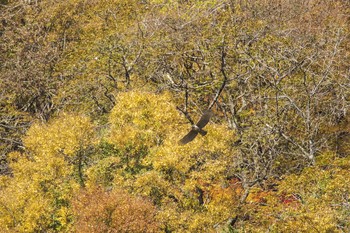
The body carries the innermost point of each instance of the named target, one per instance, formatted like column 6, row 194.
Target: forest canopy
column 96, row 95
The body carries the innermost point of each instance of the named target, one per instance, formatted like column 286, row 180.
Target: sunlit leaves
column 36, row 197
column 129, row 65
column 141, row 119
column 65, row 135
column 210, row 154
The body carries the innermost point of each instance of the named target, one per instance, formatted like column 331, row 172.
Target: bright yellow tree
column 36, row 198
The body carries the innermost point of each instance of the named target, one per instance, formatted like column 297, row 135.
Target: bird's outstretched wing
column 207, row 114
column 189, row 137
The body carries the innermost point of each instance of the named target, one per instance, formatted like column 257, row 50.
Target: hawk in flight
column 197, row 128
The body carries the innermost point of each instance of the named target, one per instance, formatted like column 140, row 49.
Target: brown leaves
column 102, row 211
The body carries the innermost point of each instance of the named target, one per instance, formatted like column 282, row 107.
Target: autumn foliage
column 95, row 96
column 113, row 211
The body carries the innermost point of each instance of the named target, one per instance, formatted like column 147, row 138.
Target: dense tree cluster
column 95, row 96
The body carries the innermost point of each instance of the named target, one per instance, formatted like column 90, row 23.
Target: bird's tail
column 203, row 132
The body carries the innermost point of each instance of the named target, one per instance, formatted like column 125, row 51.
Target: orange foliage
column 258, row 196
column 113, row 211
column 217, row 192
column 291, row 200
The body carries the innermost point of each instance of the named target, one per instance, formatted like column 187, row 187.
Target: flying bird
column 198, row 128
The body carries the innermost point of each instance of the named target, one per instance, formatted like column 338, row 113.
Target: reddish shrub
column 113, row 211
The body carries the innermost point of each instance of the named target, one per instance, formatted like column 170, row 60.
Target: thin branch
column 184, row 111
column 306, row 154
column 222, row 69
column 188, row 117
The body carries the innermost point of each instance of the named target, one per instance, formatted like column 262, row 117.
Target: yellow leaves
column 305, row 219
column 103, row 172
column 22, row 207
column 203, row 222
column 141, row 118
column 64, row 216
column 94, row 46
column 312, row 200
column 65, row 135
column 42, row 182
column 152, row 185
column 212, row 153
column 170, row 159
